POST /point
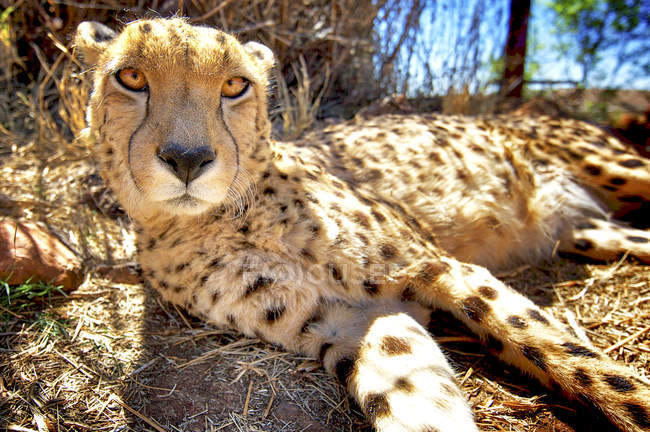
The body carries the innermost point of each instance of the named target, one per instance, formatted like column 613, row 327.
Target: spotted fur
column 339, row 245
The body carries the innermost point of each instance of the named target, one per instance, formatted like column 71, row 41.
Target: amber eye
column 132, row 79
column 234, row 87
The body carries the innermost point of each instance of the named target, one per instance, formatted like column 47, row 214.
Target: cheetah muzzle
column 339, row 245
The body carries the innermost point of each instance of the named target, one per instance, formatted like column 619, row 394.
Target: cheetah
column 340, row 245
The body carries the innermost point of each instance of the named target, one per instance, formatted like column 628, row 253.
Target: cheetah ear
column 262, row 54
column 91, row 39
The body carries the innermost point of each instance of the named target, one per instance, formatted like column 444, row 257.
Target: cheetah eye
column 131, row 79
column 234, row 87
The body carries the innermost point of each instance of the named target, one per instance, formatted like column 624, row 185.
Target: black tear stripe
column 234, row 141
column 146, row 116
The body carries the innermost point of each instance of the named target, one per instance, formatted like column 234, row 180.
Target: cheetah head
column 178, row 113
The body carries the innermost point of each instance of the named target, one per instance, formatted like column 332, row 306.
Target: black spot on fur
column 488, row 292
column 638, row 413
column 537, row 316
column 637, row 239
column 180, row 267
column 378, row 216
column 376, row 406
column 404, row 384
column 306, row 254
column 344, row 369
column 618, row 181
column 145, row 28
column 619, row 383
column 323, row 351
column 408, row 294
column 361, row 218
column 275, row 313
column 582, row 377
column 269, row 191
column 334, row 271
column 388, row 251
column 232, row 321
column 578, row 350
column 392, row 345
column 259, row 283
column 592, row 170
column 516, row 322
column 631, row 163
column 215, row 297
column 431, row 270
column 371, row 287
column 583, row 245
column 535, row 355
column 475, row 308
column 216, row 263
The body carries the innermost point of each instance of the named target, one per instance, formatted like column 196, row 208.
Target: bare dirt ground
column 111, row 356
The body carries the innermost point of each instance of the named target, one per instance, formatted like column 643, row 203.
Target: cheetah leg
column 391, row 366
column 521, row 334
column 606, row 240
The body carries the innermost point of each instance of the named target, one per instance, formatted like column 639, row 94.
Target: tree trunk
column 515, row 52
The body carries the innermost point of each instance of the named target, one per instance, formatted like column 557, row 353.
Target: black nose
column 187, row 163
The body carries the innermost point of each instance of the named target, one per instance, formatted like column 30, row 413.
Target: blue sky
column 553, row 67
column 446, row 22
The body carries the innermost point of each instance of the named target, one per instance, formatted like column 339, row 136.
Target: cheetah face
column 178, row 113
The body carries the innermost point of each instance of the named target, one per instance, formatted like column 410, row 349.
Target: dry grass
column 113, row 357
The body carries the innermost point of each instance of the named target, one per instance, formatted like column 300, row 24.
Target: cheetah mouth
column 186, row 203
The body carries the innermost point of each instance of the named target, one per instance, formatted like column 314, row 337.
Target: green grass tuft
column 18, row 298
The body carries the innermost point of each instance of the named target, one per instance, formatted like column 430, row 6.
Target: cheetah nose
column 187, row 163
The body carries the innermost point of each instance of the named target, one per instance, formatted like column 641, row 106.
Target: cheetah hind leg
column 605, row 240
column 521, row 334
column 390, row 365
